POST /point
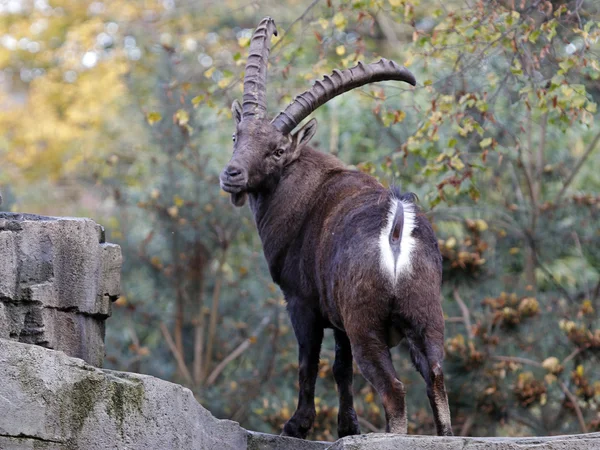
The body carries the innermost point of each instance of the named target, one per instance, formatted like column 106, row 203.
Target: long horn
column 335, row 84
column 254, row 103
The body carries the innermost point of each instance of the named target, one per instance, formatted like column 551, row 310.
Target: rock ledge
column 51, row 401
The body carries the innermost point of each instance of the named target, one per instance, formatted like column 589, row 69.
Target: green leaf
column 533, row 37
column 485, row 142
column 474, row 193
column 197, row 100
column 457, row 163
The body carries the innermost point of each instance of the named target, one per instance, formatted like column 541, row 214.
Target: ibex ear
column 236, row 110
column 303, row 136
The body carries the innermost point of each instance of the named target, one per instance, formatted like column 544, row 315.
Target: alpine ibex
column 347, row 253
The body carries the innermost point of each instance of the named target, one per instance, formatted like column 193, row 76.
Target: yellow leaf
column 252, row 339
column 339, row 21
column 324, row 23
column 243, row 41
column 209, row 72
column 451, row 243
column 481, row 225
column 178, row 201
column 551, row 364
column 224, row 82
column 155, row 261
column 153, row 117
column 340, row 50
column 182, row 117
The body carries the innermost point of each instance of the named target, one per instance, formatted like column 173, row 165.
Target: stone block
column 8, row 265
column 57, row 281
column 61, row 402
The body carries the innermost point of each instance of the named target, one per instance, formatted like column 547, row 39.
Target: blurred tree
column 120, row 110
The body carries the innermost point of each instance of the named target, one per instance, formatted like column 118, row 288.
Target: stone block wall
column 58, row 278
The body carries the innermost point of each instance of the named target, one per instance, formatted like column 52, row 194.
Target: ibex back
column 347, row 253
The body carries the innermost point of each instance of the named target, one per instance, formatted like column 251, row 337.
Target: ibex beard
column 347, row 253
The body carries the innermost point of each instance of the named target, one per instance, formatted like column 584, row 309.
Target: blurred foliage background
column 119, row 110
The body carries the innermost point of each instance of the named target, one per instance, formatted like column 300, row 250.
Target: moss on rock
column 124, row 398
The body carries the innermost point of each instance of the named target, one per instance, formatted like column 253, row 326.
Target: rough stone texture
column 57, row 280
column 263, row 441
column 51, row 401
column 589, row 441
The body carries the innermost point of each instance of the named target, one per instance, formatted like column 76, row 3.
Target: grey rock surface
column 378, row 441
column 58, row 279
column 51, row 401
column 263, row 441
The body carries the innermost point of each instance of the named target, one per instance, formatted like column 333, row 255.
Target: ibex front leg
column 342, row 372
column 308, row 328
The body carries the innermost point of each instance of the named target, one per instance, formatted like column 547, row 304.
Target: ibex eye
column 277, row 154
column 233, row 137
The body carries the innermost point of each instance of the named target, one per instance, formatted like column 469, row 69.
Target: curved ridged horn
column 254, row 103
column 335, row 84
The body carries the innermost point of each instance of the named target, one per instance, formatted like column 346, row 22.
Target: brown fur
column 320, row 225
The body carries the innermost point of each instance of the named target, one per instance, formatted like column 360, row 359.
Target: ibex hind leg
column 426, row 352
column 373, row 357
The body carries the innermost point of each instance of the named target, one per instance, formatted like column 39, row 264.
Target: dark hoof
column 297, row 427
column 348, row 431
column 348, row 425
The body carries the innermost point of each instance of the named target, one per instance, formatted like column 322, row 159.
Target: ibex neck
column 281, row 213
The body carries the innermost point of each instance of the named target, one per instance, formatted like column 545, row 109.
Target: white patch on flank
column 407, row 242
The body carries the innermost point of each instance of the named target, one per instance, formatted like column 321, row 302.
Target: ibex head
column 263, row 148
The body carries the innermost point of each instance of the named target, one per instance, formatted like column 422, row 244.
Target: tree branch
column 578, row 166
column 517, row 359
column 298, row 19
column 214, row 313
column 178, row 357
column 365, row 423
column 465, row 313
column 573, row 400
column 237, row 352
